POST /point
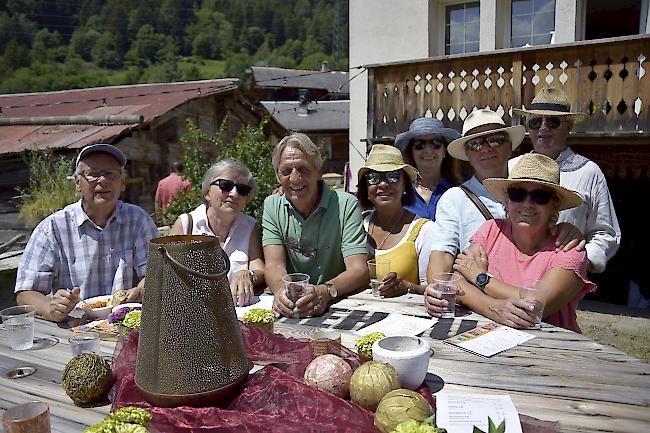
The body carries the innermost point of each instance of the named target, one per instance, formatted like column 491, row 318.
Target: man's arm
column 56, row 308
column 603, row 233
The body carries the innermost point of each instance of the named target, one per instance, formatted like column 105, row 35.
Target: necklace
column 392, row 227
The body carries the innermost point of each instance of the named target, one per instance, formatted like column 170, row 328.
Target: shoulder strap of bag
column 477, row 202
column 416, row 229
column 190, row 224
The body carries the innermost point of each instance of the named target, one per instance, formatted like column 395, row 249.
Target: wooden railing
column 606, row 78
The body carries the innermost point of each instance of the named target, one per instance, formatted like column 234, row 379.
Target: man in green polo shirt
column 312, row 230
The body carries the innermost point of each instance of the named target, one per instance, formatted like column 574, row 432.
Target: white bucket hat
column 480, row 118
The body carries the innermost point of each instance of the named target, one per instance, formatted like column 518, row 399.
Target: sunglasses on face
column 493, row 141
column 375, row 177
column 539, row 196
column 435, row 143
column 93, row 176
column 227, row 185
column 552, row 122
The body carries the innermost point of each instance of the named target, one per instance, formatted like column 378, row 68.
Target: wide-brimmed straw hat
column 424, row 126
column 384, row 158
column 484, row 117
column 551, row 102
column 535, row 168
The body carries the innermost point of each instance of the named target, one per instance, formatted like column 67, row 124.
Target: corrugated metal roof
column 148, row 100
column 332, row 81
column 319, row 116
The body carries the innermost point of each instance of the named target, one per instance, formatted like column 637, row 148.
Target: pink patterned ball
column 329, row 373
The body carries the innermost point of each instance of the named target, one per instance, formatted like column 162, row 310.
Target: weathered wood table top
column 557, row 376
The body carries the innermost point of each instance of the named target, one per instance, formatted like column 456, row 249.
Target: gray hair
column 221, row 168
column 301, row 142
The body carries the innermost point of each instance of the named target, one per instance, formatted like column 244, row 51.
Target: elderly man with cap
column 424, row 146
column 92, row 247
column 549, row 121
column 486, row 143
column 310, row 230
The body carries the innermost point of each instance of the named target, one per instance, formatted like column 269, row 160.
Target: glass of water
column 295, row 285
column 378, row 268
column 19, row 323
column 446, row 284
column 84, row 342
column 530, row 291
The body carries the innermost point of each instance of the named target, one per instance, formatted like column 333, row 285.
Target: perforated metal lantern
column 190, row 350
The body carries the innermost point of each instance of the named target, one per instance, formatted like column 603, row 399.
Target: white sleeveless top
column 236, row 245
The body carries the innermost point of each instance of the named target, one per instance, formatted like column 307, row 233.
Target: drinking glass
column 32, row 417
column 84, row 342
column 446, row 284
column 19, row 323
column 377, row 268
column 536, row 296
column 294, row 285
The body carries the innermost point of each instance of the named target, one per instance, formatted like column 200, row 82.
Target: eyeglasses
column 539, row 196
column 435, row 143
column 493, row 141
column 375, row 177
column 292, row 244
column 227, row 185
column 552, row 122
column 93, row 176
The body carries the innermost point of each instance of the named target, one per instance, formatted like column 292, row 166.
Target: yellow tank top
column 404, row 257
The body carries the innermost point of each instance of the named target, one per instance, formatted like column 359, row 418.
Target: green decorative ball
column 87, row 378
column 371, row 382
column 398, row 406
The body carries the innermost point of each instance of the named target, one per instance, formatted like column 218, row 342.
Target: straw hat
column 551, row 102
column 384, row 158
column 424, row 126
column 535, row 168
column 480, row 118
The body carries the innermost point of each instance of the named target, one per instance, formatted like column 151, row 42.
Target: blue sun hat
column 423, row 126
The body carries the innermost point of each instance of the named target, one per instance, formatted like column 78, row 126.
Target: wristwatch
column 331, row 290
column 482, row 280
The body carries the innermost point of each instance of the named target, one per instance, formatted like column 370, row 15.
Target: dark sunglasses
column 435, row 143
column 493, row 141
column 227, row 186
column 375, row 177
column 539, row 196
column 552, row 122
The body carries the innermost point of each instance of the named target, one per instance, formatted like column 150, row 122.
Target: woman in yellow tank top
column 386, row 185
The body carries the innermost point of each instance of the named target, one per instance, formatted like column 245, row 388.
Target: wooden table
column 557, row 376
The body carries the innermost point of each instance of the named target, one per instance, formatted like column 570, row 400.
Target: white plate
column 96, row 313
column 131, row 306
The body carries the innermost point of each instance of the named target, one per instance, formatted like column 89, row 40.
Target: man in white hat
column 92, row 247
column 549, row 120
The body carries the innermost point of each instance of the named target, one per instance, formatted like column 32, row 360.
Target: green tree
column 147, row 45
column 106, row 53
column 48, row 47
column 15, row 56
column 82, row 42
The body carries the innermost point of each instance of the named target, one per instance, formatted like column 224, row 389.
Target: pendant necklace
column 381, row 244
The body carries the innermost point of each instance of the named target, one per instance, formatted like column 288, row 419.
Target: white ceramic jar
column 409, row 356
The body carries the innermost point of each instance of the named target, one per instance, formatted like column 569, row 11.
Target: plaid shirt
column 67, row 249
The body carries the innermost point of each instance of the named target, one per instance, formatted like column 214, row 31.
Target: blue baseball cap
column 102, row 147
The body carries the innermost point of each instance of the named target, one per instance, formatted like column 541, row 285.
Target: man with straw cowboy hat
column 549, row 120
column 486, row 143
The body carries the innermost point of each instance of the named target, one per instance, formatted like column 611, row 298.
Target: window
column 462, row 28
column 533, row 22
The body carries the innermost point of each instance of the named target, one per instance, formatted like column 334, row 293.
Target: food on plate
column 118, row 297
column 100, row 303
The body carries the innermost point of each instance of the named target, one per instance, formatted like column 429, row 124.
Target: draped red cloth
column 274, row 399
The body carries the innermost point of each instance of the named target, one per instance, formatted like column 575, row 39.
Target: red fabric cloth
column 168, row 187
column 274, row 399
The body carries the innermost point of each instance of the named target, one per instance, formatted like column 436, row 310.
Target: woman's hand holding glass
column 392, row 285
column 515, row 312
column 433, row 301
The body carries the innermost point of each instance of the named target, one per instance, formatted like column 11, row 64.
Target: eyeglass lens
column 539, row 196
column 493, row 141
column 552, row 122
column 435, row 143
column 93, row 176
column 227, row 185
column 375, row 177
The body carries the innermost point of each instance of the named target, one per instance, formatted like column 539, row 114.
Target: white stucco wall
column 381, row 31
column 566, row 28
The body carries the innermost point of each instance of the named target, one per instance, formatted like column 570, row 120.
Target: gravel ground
column 626, row 333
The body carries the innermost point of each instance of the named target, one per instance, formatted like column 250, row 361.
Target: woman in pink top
column 505, row 252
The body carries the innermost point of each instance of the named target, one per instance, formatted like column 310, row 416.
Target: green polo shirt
column 318, row 244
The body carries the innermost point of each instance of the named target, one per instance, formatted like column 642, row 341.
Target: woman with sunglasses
column 227, row 186
column 504, row 252
column 394, row 233
column 424, row 146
